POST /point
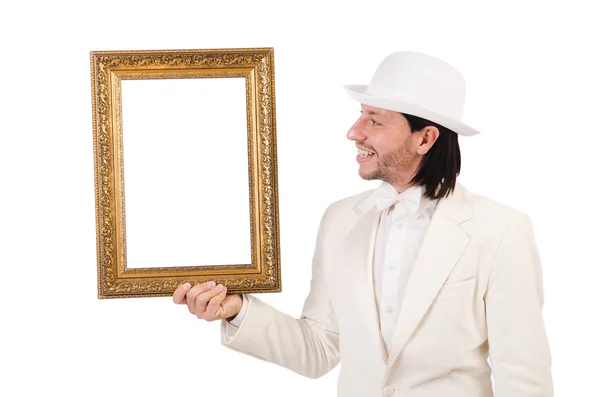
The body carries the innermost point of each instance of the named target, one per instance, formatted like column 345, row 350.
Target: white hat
column 420, row 85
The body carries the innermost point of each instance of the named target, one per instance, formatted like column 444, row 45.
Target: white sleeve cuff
column 237, row 321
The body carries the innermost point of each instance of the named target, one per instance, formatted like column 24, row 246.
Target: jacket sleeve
column 308, row 345
column 519, row 349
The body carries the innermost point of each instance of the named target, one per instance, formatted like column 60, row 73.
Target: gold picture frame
column 109, row 70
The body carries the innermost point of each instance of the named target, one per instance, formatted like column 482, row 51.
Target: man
column 416, row 283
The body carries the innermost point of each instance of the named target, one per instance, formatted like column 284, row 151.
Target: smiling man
column 392, row 148
column 416, row 283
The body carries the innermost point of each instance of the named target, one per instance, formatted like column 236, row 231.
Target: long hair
column 440, row 166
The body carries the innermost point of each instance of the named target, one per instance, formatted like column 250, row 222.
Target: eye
column 373, row 122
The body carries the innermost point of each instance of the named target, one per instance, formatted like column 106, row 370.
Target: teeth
column 364, row 153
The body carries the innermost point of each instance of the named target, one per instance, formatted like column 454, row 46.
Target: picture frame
column 164, row 155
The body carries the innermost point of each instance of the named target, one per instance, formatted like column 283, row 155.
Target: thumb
column 232, row 305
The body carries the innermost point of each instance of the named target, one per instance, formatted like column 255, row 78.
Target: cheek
column 387, row 144
column 381, row 142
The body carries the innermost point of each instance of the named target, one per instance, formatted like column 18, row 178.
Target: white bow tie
column 388, row 196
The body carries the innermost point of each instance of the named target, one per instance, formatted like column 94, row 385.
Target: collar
column 412, row 199
column 458, row 207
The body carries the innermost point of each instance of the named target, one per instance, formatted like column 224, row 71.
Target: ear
column 427, row 137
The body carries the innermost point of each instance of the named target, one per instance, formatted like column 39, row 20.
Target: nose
column 356, row 132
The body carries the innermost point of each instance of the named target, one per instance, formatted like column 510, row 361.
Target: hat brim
column 357, row 92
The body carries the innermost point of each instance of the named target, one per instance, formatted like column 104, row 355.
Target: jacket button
column 388, row 391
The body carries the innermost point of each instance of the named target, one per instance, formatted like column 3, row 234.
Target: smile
column 364, row 153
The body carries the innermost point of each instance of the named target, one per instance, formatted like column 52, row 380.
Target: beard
column 393, row 166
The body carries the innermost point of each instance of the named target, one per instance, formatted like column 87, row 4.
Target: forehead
column 371, row 110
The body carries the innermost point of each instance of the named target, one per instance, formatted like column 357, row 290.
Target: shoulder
column 494, row 215
column 346, row 208
column 487, row 206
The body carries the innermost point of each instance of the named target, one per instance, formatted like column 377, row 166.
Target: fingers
column 193, row 293
column 232, row 305
column 179, row 294
column 214, row 310
column 203, row 300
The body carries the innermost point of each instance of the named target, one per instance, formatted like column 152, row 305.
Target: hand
column 207, row 301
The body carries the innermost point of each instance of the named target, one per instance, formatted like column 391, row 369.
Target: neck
column 402, row 180
column 402, row 187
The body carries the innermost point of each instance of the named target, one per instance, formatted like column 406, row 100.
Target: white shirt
column 401, row 230
column 400, row 233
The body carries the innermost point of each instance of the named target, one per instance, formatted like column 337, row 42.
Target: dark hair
column 441, row 164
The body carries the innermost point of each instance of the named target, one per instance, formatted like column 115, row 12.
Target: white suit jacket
column 475, row 292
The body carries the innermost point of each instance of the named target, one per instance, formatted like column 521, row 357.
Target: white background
column 171, row 129
column 533, row 89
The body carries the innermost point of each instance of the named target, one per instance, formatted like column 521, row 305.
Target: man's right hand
column 207, row 301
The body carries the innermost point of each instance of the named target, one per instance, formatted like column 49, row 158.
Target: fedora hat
column 420, row 85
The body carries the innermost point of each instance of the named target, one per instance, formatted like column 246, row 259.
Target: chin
column 369, row 175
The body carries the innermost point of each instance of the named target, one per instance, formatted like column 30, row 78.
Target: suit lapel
column 441, row 249
column 359, row 241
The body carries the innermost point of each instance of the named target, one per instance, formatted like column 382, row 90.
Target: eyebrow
column 372, row 112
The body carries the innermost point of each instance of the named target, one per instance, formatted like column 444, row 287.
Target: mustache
column 368, row 147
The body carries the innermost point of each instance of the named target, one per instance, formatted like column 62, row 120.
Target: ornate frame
column 256, row 65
